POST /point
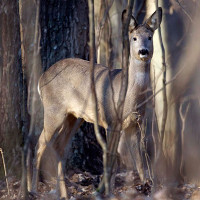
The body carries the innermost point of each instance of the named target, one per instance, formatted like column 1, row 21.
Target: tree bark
column 64, row 30
column 10, row 84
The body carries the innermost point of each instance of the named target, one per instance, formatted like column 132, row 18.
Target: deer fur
column 65, row 91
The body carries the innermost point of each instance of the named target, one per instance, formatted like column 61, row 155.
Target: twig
column 145, row 152
column 184, row 11
column 183, row 117
column 5, row 172
column 114, row 134
column 107, row 17
column 156, row 93
column 94, row 95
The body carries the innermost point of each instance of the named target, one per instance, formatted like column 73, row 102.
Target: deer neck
column 138, row 75
column 137, row 84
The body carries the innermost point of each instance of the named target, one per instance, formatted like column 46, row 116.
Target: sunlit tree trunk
column 186, row 89
column 168, row 163
column 109, row 32
column 31, row 65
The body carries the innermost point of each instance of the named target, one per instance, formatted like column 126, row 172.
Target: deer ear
column 154, row 21
column 133, row 22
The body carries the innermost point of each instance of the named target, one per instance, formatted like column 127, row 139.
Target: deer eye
column 134, row 38
column 150, row 38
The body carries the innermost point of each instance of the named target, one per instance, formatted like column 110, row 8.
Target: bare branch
column 125, row 59
column 183, row 116
column 157, row 92
column 184, row 11
column 94, row 95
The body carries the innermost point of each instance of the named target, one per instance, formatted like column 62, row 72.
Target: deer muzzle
column 143, row 53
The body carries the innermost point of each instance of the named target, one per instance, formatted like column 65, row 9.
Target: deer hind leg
column 130, row 150
column 52, row 123
column 69, row 127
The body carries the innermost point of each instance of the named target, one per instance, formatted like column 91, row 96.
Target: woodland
column 35, row 34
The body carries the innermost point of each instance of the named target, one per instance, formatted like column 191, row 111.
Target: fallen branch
column 5, row 172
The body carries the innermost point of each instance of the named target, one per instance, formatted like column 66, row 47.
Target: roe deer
column 65, row 91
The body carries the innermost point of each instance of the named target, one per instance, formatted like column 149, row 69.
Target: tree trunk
column 10, row 84
column 168, row 163
column 64, row 30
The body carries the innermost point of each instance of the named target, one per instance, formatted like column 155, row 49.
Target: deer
column 65, row 91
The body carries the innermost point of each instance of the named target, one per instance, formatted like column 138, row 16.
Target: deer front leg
column 130, row 150
column 69, row 128
column 113, row 136
column 138, row 157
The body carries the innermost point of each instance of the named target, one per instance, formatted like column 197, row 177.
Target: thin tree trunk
column 30, row 36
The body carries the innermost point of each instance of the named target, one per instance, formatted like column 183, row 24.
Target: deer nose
column 143, row 52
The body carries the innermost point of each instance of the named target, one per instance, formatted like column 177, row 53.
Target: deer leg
column 125, row 150
column 136, row 151
column 39, row 150
column 111, row 155
column 70, row 126
column 51, row 124
column 113, row 143
column 130, row 151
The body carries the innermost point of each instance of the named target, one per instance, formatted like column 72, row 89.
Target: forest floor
column 82, row 185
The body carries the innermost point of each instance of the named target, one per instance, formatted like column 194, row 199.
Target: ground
column 82, row 185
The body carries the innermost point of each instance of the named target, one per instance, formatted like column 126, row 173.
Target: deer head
column 141, row 36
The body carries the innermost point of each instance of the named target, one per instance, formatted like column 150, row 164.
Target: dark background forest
column 35, row 34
